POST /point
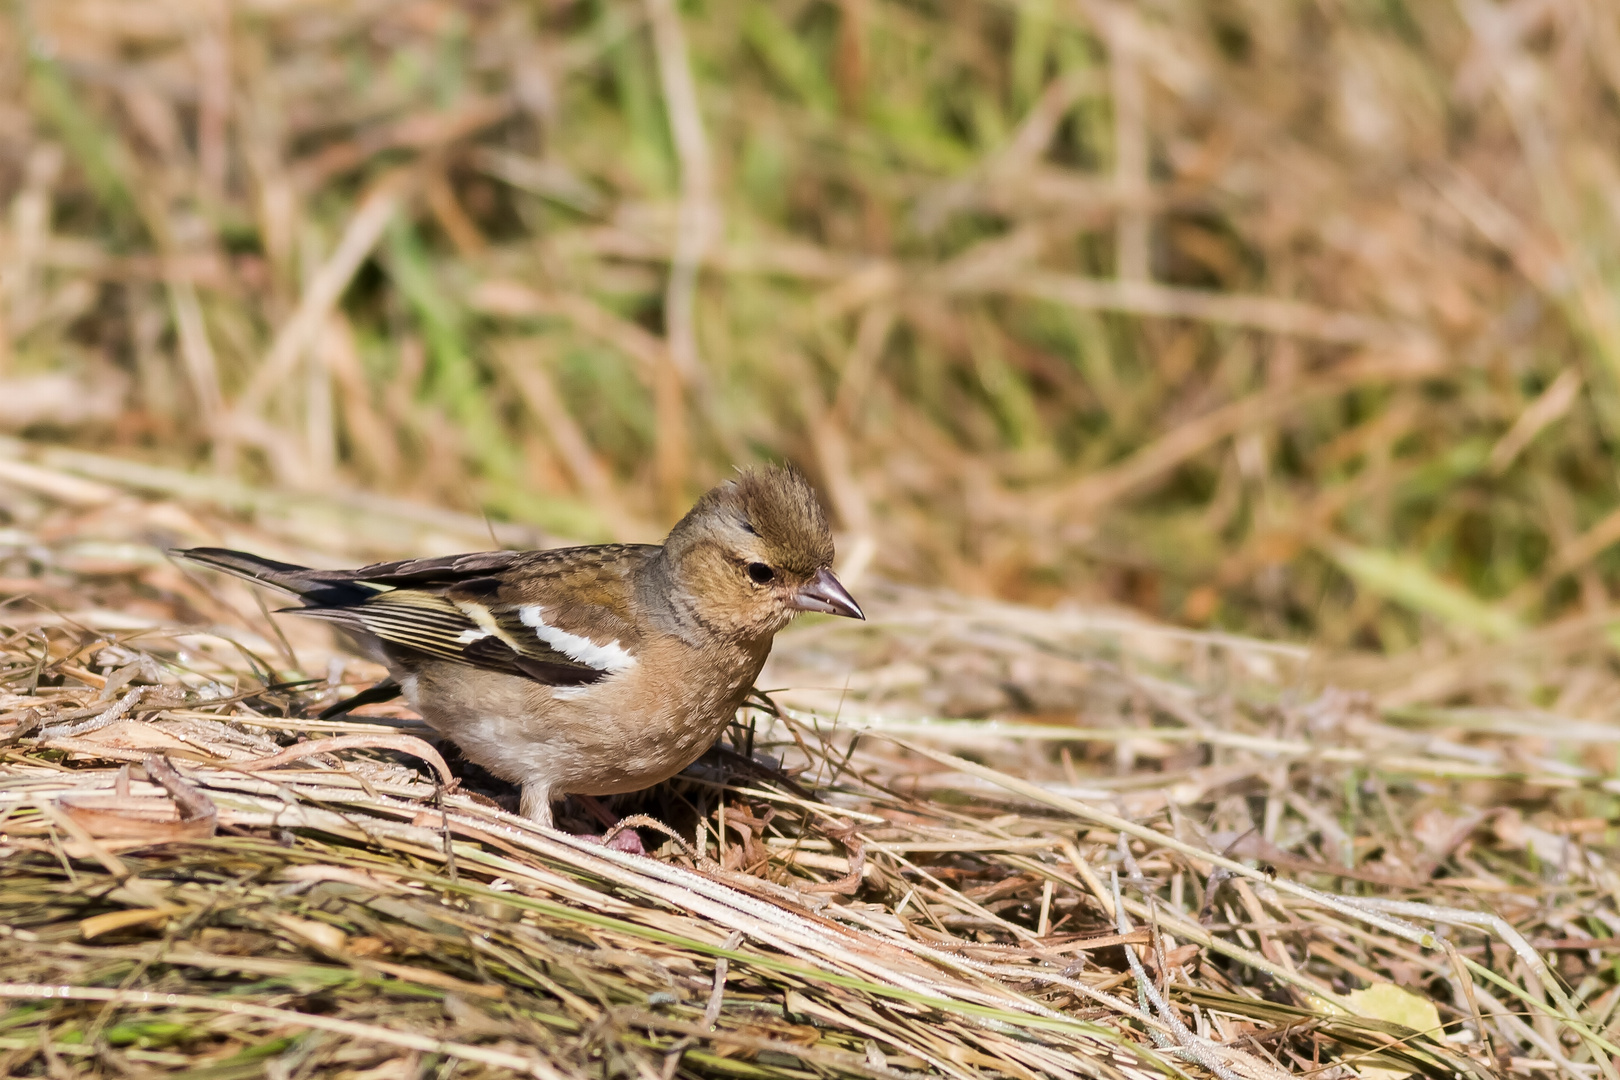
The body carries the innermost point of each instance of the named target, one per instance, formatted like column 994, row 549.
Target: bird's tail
column 314, row 587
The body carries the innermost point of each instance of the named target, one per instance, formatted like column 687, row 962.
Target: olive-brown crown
column 747, row 546
column 775, row 509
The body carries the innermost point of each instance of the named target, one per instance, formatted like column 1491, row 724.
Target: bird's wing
column 558, row 617
column 514, row 566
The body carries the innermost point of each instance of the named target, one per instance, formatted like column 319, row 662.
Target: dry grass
column 1293, row 319
column 1201, row 878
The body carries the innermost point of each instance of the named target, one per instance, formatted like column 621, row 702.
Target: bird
column 592, row 670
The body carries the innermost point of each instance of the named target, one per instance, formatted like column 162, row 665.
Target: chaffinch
column 586, row 670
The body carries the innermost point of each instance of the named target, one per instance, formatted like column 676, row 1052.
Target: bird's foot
column 620, row 835
column 625, row 840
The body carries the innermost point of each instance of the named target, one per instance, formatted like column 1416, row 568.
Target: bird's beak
column 826, row 594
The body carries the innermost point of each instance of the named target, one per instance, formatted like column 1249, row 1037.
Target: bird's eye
column 759, row 573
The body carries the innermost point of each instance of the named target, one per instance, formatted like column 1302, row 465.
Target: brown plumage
column 587, row 670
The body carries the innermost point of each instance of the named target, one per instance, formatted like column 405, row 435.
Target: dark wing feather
column 452, row 569
column 415, row 624
column 387, row 690
column 468, row 609
column 325, row 587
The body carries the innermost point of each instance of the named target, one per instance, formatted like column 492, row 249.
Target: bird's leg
column 535, row 804
column 598, row 810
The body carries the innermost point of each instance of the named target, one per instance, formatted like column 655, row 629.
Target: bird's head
column 755, row 551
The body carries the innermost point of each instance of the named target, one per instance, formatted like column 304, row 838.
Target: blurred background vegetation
column 1295, row 317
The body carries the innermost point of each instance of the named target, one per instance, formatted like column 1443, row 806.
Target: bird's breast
column 622, row 733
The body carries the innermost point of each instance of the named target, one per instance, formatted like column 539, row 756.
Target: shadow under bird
column 586, row 670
